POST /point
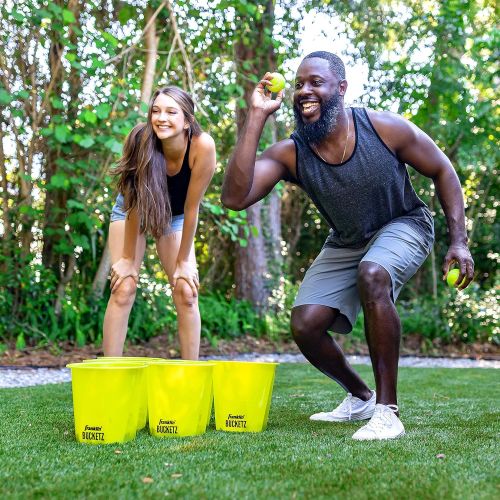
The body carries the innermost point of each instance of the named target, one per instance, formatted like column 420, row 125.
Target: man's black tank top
column 178, row 185
column 364, row 193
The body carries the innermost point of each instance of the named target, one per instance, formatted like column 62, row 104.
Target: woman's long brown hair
column 142, row 170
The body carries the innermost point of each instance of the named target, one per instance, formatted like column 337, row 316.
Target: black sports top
column 365, row 192
column 178, row 185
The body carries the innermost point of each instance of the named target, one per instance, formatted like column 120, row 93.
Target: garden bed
column 58, row 355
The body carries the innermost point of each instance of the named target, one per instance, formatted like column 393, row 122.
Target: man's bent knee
column 374, row 282
column 309, row 321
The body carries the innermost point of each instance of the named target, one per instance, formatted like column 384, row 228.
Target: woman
column 166, row 167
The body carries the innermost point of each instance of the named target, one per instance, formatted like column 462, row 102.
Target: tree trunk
column 5, row 248
column 253, row 275
column 65, row 278
column 294, row 202
column 272, row 225
column 251, row 261
column 26, row 235
column 54, row 210
column 101, row 275
column 251, row 264
column 5, row 192
column 151, row 54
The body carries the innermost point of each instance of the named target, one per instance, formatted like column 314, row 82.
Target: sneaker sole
column 401, row 434
column 363, row 416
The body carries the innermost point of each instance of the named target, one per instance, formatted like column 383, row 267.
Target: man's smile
column 309, row 107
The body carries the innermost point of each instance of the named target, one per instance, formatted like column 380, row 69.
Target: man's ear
column 343, row 87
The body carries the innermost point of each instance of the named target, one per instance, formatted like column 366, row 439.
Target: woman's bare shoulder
column 202, row 143
column 202, row 155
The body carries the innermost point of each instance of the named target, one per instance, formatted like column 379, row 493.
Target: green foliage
column 230, row 223
column 223, row 318
column 153, row 313
column 465, row 317
column 20, row 342
column 448, row 93
column 70, row 94
column 469, row 316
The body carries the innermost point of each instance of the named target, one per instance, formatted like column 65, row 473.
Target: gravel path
column 24, row 377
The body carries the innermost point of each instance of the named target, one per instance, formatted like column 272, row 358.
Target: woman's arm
column 125, row 266
column 201, row 174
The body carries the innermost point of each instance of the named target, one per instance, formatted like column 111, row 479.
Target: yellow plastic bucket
column 242, row 395
column 203, row 362
column 105, row 401
column 142, row 395
column 142, row 389
column 179, row 398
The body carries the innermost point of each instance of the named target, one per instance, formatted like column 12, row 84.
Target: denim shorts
column 332, row 278
column 119, row 214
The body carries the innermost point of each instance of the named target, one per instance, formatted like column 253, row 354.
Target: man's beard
column 315, row 132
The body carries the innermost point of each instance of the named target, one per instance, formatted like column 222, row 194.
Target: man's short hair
column 336, row 65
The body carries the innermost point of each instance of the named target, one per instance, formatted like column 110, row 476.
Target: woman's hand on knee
column 187, row 271
column 120, row 270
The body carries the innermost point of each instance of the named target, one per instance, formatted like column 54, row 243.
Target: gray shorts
column 332, row 278
column 119, row 214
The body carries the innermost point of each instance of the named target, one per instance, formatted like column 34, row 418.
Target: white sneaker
column 352, row 408
column 384, row 424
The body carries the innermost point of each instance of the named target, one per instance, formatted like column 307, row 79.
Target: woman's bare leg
column 186, row 304
column 121, row 300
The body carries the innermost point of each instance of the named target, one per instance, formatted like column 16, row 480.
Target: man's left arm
column 416, row 148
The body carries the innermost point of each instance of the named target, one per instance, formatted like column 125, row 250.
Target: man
column 352, row 163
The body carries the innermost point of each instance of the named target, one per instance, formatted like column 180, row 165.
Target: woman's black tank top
column 178, row 185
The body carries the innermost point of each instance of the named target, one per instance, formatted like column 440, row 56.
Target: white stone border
column 25, row 377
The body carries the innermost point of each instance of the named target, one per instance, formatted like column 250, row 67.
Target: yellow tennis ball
column 277, row 82
column 452, row 277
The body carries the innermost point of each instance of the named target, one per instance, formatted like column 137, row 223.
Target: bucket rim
column 129, row 358
column 200, row 364
column 114, row 361
column 266, row 363
column 106, row 366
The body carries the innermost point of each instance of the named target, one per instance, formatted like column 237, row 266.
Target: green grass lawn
column 454, row 412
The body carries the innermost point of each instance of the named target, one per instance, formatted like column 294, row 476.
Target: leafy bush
column 277, row 319
column 468, row 316
column 228, row 318
column 465, row 317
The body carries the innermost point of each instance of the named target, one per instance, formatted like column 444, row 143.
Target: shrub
column 467, row 316
column 27, row 314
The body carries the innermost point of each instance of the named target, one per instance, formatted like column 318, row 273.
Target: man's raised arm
column 248, row 179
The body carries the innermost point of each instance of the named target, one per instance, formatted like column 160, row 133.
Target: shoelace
column 346, row 405
column 381, row 417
